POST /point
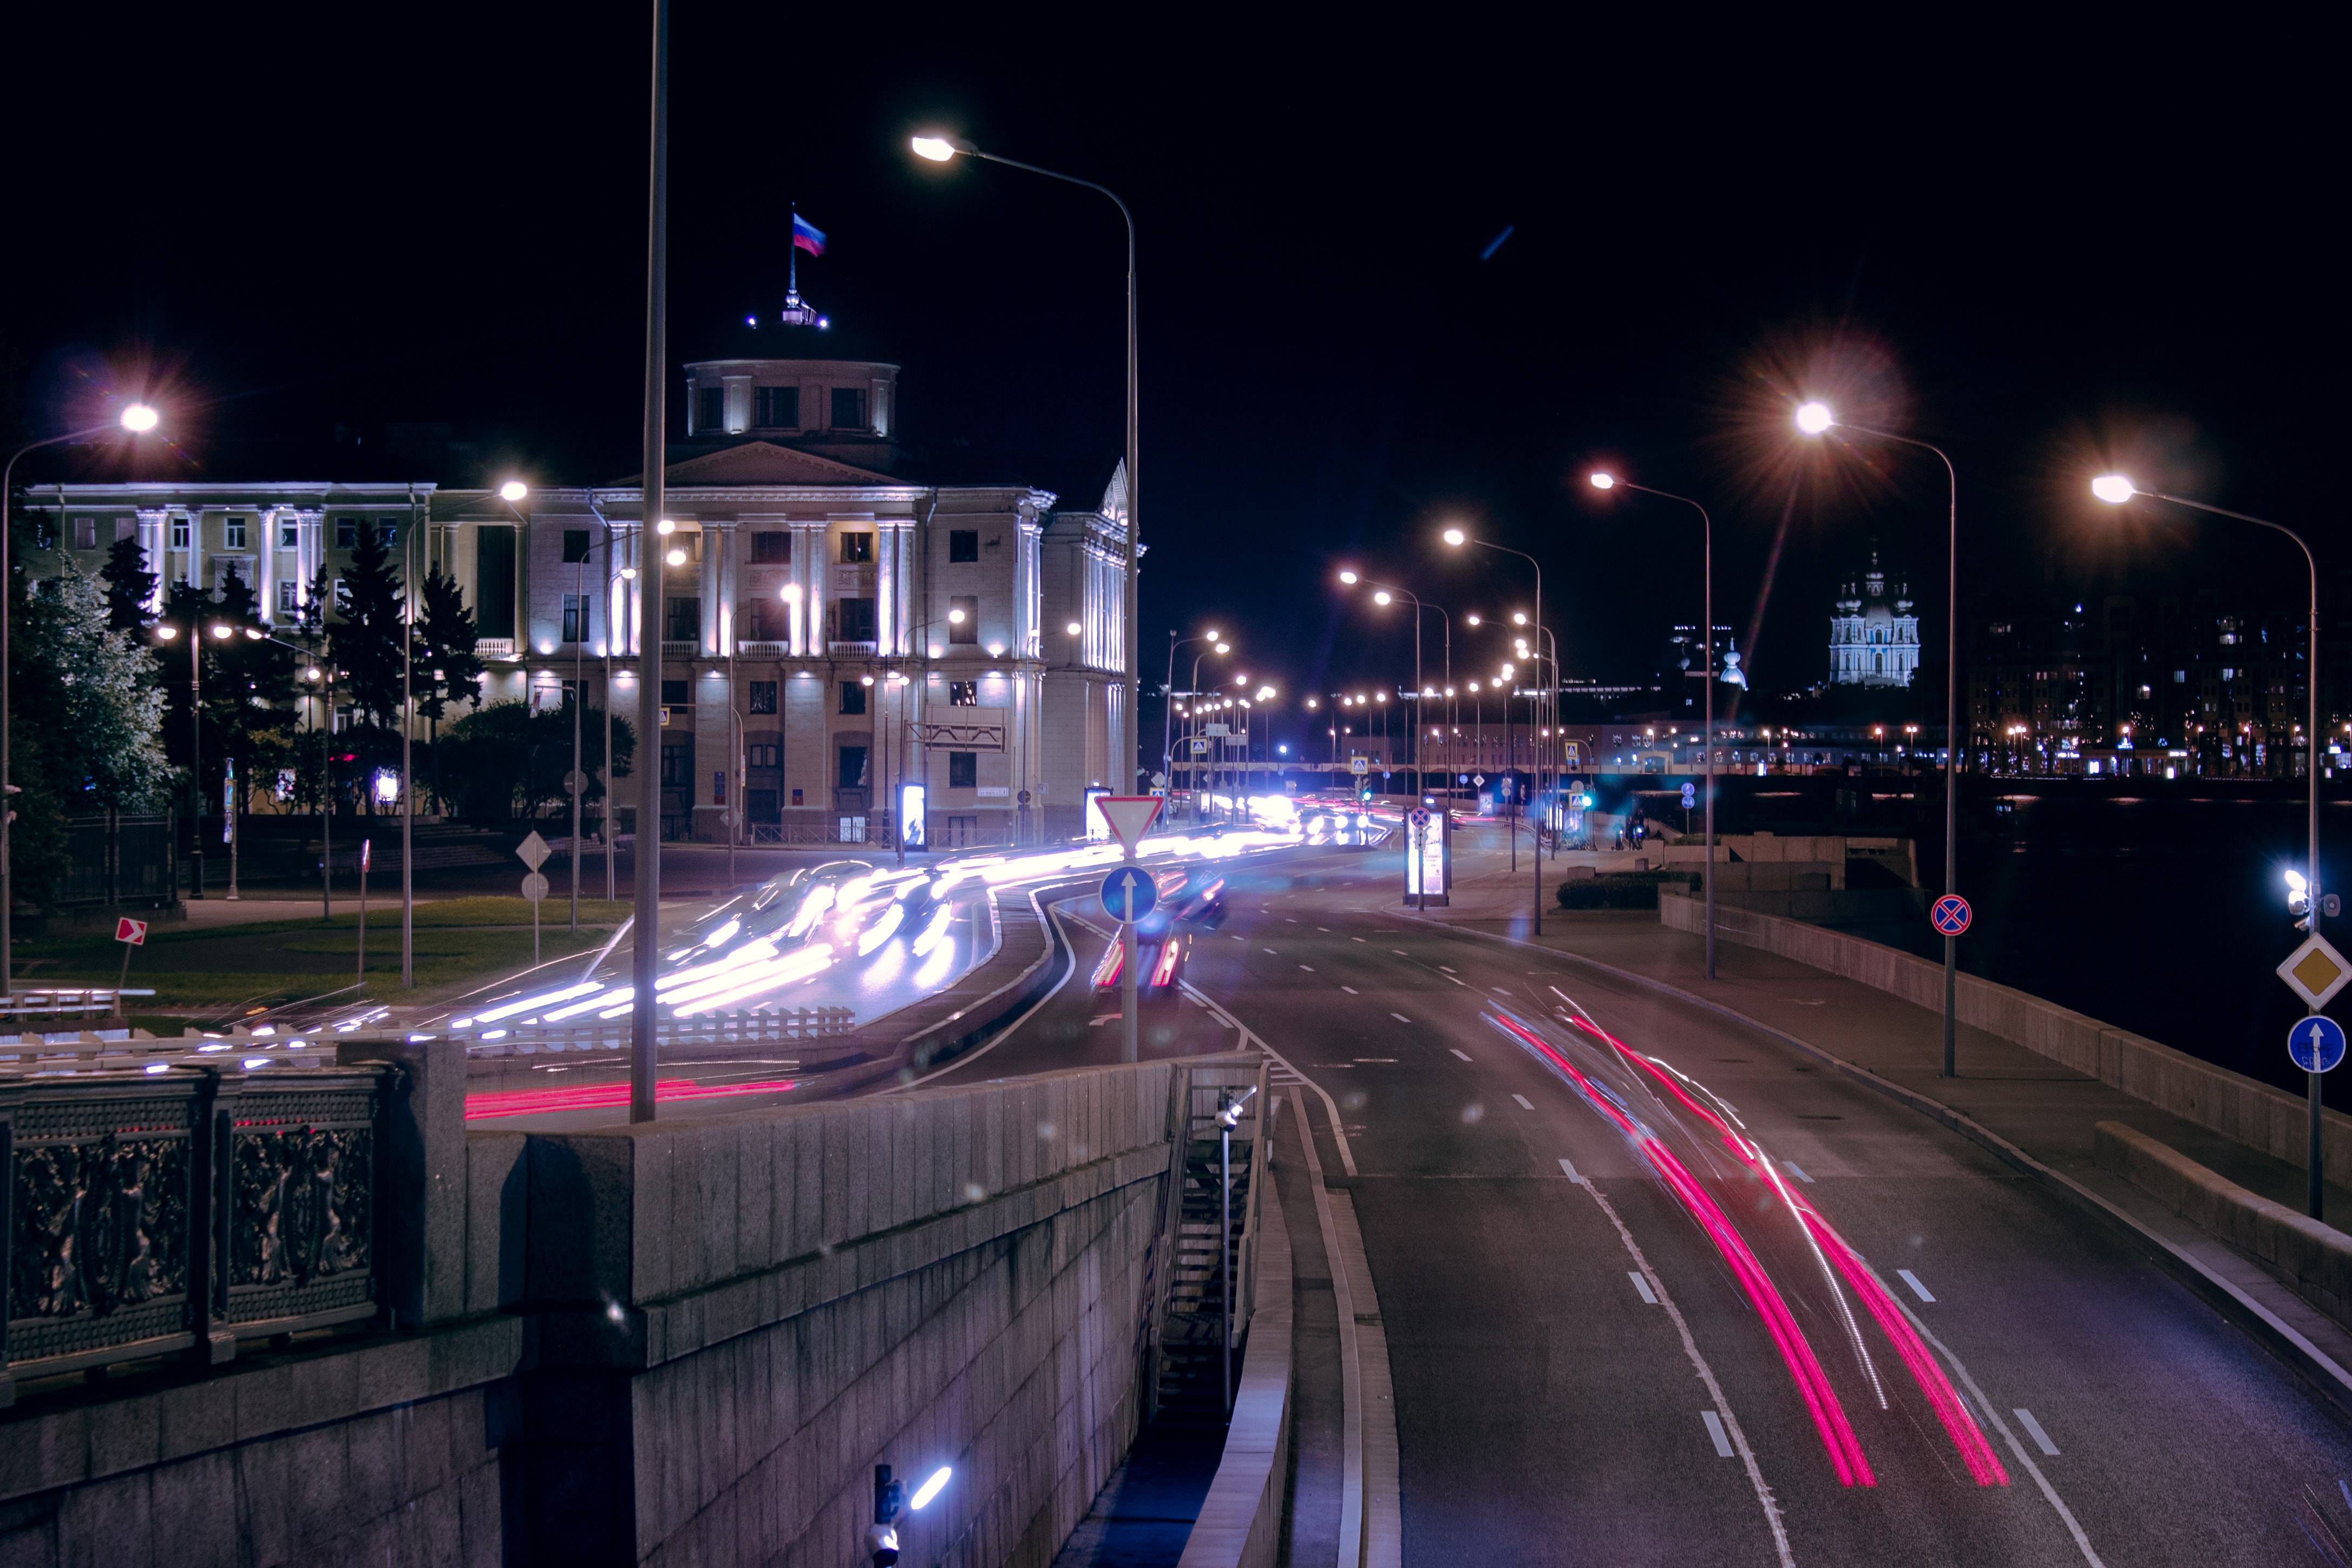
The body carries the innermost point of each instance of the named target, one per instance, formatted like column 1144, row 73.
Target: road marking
column 1524, row 1104
column 1447, row 967
column 1399, row 1018
column 1355, row 939
column 1797, row 1171
column 1713, row 1428
column 1352, row 991
column 1287, row 920
column 1271, row 950
column 2033, row 1429
column 1912, row 1280
column 1400, row 952
column 1570, row 1172
column 2081, row 1541
column 1463, row 1054
column 1309, row 968
column 1730, row 1424
column 1325, row 929
column 1642, row 1285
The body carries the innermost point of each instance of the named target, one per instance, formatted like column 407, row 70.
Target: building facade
column 830, row 630
column 1873, row 635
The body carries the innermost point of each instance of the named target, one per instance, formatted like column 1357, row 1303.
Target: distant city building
column 1873, row 635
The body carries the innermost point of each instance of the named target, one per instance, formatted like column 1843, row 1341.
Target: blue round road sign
column 1951, row 914
column 1128, row 893
column 2316, row 1043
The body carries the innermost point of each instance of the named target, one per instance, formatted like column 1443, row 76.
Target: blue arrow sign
column 2316, row 1043
column 1127, row 895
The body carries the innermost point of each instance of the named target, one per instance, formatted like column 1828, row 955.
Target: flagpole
column 792, row 246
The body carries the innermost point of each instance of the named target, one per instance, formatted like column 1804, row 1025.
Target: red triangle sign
column 1129, row 816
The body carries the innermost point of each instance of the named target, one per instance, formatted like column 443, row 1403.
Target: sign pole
column 366, row 845
column 1128, row 817
column 1128, row 1050
column 123, row 979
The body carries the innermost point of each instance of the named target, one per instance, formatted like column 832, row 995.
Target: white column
column 154, row 534
column 265, row 572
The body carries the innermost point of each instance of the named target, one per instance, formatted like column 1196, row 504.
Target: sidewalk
column 2042, row 1108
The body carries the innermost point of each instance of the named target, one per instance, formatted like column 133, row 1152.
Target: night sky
column 2043, row 251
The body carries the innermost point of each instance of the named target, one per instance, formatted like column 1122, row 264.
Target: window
column 852, row 696
column 575, row 546
column 848, row 408
column 776, row 408
column 764, row 699
column 347, row 533
column 963, row 769
column 678, row 765
column 853, row 620
column 710, row 410
column 576, row 617
column 964, row 694
column 674, row 696
column 387, row 529
column 964, row 544
column 286, row 590
column 232, row 533
column 289, row 536
column 179, row 533
column 851, row 768
column 85, row 533
column 764, row 753
column 963, row 618
column 856, row 550
column 771, row 547
column 342, row 598
column 762, row 621
column 683, row 622
column 494, row 582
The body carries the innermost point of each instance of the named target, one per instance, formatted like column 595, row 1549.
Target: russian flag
column 807, row 235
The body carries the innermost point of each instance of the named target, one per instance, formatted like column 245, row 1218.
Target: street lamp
column 1168, row 704
column 1604, row 480
column 2116, row 490
column 1457, row 537
column 1387, row 594
column 939, row 148
column 138, row 418
column 1814, row 418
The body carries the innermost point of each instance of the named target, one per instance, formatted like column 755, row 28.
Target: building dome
column 1873, row 635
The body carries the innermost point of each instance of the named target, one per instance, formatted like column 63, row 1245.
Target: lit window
column 233, row 533
column 964, row 694
column 289, row 536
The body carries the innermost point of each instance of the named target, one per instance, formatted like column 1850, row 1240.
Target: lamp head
column 1455, row 538
column 677, row 557
column 955, row 617
column 140, row 418
column 628, row 574
column 2115, row 489
column 666, row 527
column 1211, row 633
column 1224, row 647
column 167, row 633
column 1349, row 578
column 224, row 630
column 1474, row 620
column 252, row 635
column 940, row 147
column 1812, row 418
column 1382, row 597
column 513, row 490
column 1604, row 481
column 790, row 593
column 1073, row 628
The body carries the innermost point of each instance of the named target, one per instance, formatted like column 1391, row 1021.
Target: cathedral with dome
column 1873, row 633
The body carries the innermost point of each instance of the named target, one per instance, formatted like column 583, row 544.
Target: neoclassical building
column 832, row 629
column 1873, row 635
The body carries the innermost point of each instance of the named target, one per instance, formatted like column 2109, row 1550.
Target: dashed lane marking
column 1919, row 1289
column 1271, row 950
column 1642, row 1286
column 1309, row 968
column 1463, row 1054
column 1797, row 1171
column 1569, row 1171
column 1524, row 1104
column 1399, row 1018
column 1714, row 1431
column 2034, row 1430
column 1352, row 991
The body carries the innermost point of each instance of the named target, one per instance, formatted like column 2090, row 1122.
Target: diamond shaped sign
column 533, row 851
column 2316, row 971
column 1129, row 816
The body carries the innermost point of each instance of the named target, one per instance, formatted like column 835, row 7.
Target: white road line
column 1919, row 1289
column 1571, row 1171
column 1400, row 952
column 1309, row 968
column 1352, row 991
column 1797, row 1171
column 1524, row 1104
column 1325, row 929
column 1463, row 1054
column 1271, row 950
column 1250, row 1038
column 2081, row 1541
column 1713, row 1428
column 1447, row 967
column 1399, row 1018
column 1287, row 918
column 2033, row 1429
column 1706, row 1375
column 1642, row 1285
column 1355, row 939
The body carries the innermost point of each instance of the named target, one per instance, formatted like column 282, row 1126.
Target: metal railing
column 154, row 1212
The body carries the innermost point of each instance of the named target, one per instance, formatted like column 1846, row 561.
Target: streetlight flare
column 1382, row 596
column 1349, row 578
column 139, row 417
column 1455, row 537
column 513, row 490
column 1812, row 418
column 2115, row 489
column 940, row 149
column 1604, row 481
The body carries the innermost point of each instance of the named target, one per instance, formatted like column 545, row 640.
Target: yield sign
column 2316, row 971
column 533, row 851
column 1129, row 816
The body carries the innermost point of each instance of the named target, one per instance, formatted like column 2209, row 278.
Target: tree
column 248, row 681
column 504, row 759
column 129, row 586
column 446, row 668
column 366, row 638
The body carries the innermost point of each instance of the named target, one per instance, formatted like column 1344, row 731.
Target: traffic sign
column 1220, row 730
column 1478, row 778
column 1690, row 794
column 534, row 887
column 1419, row 818
column 1951, row 914
column 2316, row 971
column 1128, row 893
column 1200, row 747
column 131, row 931
column 1358, row 765
column 1159, row 781
column 1129, row 816
column 2316, row 1043
column 1025, row 796
column 533, row 851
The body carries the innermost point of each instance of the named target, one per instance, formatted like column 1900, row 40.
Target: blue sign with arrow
column 2316, row 1043
column 1128, row 893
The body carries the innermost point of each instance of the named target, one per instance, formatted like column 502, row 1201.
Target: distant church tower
column 1873, row 635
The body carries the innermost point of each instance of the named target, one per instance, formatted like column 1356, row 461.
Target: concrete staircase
column 1190, row 1369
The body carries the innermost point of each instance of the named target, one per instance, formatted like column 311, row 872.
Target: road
column 1586, row 1366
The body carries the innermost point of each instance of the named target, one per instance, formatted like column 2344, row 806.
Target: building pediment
column 763, row 463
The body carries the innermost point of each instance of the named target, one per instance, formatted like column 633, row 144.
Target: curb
column 2309, row 1364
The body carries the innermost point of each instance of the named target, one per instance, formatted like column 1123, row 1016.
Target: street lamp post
column 2117, row 490
column 1168, row 705
column 1383, row 594
column 137, row 418
column 1815, row 419
column 1604, row 481
column 939, row 149
column 1457, row 537
column 646, row 957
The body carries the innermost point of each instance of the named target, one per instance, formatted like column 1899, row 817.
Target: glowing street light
column 1349, row 578
column 1812, row 418
column 513, row 490
column 940, row 147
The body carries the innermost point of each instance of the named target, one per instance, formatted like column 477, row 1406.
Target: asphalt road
column 1588, row 1369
